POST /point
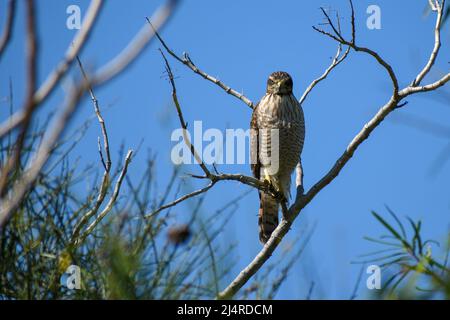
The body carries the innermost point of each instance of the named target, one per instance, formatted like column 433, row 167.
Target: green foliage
column 414, row 269
column 127, row 256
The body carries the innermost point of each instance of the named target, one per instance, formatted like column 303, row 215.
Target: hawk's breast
column 282, row 112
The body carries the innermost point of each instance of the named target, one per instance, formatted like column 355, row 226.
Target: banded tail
column 267, row 216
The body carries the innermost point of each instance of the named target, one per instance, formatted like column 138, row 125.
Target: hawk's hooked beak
column 279, row 84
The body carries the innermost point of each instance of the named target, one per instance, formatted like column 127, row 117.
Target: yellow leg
column 267, row 177
column 276, row 186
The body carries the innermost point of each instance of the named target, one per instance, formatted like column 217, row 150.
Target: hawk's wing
column 254, row 144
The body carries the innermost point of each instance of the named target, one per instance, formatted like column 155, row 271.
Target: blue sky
column 242, row 43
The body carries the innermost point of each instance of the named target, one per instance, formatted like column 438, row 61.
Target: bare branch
column 353, row 22
column 339, row 38
column 208, row 175
column 75, row 48
column 7, row 31
column 429, row 87
column 104, row 185
column 102, row 159
column 92, row 212
column 107, row 163
column 330, row 22
column 302, row 200
column 137, row 45
column 214, row 178
column 437, row 45
column 186, row 139
column 432, row 5
column 12, row 200
column 12, row 122
column 179, row 200
column 53, row 79
column 186, row 60
column 334, row 63
column 77, row 241
column 250, row 181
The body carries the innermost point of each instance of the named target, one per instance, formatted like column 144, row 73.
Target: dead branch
column 104, row 185
column 107, row 163
column 302, row 200
column 11, row 200
column 337, row 36
column 55, row 76
column 214, row 178
column 181, row 199
column 78, row 240
column 186, row 60
column 181, row 119
column 136, row 46
column 334, row 63
column 437, row 44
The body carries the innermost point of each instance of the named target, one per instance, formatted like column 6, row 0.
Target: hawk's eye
column 270, row 82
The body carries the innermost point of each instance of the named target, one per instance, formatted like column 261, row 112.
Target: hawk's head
column 279, row 82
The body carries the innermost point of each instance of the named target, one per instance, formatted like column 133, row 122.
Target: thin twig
column 57, row 74
column 331, row 24
column 334, row 63
column 250, row 181
column 183, row 124
column 437, row 45
column 77, row 241
column 337, row 36
column 104, row 185
column 107, row 163
column 181, row 199
column 137, row 44
column 186, row 60
column 208, row 175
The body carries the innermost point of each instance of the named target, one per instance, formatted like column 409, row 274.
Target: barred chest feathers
column 282, row 112
column 278, row 132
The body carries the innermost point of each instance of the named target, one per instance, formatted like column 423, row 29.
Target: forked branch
column 186, row 60
column 302, row 200
column 15, row 194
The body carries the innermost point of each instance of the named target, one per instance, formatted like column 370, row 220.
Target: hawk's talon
column 267, row 185
column 276, row 193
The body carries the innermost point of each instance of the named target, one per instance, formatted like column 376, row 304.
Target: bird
column 277, row 134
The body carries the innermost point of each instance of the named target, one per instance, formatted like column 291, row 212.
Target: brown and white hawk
column 276, row 142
